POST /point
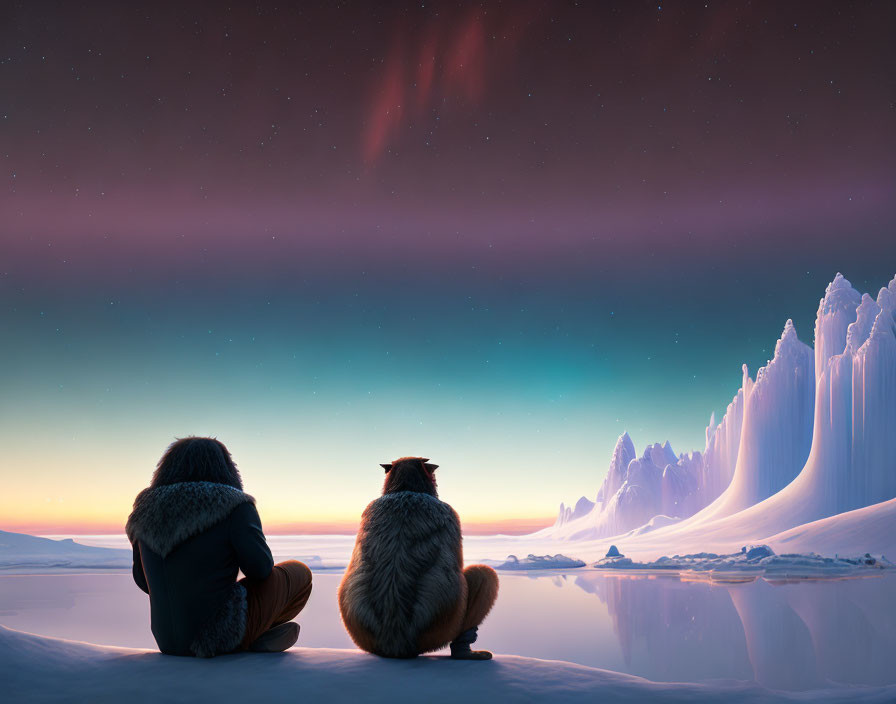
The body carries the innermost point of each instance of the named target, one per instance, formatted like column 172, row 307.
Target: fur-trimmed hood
column 167, row 515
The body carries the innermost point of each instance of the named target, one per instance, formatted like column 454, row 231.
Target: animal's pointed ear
column 424, row 460
column 387, row 467
column 430, row 467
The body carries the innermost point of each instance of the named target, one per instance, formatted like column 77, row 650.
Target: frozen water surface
column 805, row 635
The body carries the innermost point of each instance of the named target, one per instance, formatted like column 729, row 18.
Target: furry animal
column 404, row 592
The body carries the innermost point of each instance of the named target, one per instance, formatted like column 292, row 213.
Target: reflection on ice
column 802, row 635
column 778, row 642
column 785, row 636
column 671, row 630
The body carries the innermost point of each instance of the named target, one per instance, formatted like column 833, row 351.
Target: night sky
column 493, row 234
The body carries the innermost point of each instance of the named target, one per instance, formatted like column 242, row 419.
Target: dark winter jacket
column 190, row 539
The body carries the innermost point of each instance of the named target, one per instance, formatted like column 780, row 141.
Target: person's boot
column 276, row 639
column 460, row 647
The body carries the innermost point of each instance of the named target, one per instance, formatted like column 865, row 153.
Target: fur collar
column 165, row 516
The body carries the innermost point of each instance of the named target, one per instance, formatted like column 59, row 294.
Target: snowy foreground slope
column 872, row 526
column 38, row 669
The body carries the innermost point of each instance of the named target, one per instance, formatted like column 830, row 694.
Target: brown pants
column 482, row 592
column 276, row 599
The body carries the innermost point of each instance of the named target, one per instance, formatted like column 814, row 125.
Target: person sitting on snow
column 192, row 531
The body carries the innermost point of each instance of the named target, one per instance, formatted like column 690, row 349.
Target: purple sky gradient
column 494, row 234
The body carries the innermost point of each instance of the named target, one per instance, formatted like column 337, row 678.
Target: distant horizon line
column 509, row 526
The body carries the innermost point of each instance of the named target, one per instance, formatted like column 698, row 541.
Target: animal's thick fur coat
column 405, row 576
column 164, row 517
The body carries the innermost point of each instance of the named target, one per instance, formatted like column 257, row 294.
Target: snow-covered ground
column 539, row 562
column 752, row 562
column 38, row 669
column 871, row 529
column 20, row 552
column 872, row 526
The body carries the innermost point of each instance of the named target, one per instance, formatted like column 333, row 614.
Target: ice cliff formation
column 852, row 462
column 635, row 490
column 776, row 429
column 813, row 436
